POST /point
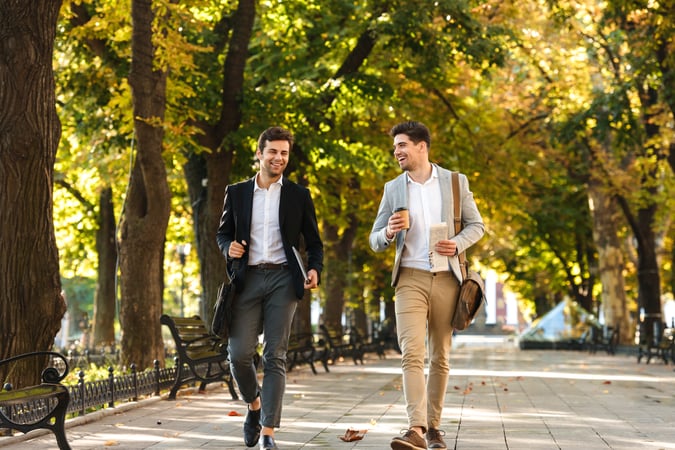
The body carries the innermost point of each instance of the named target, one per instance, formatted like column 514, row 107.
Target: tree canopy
column 560, row 113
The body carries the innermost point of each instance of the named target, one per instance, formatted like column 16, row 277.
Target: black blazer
column 296, row 217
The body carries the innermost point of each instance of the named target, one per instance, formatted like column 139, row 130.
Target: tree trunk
column 649, row 279
column 31, row 304
column 302, row 322
column 103, row 329
column 208, row 174
column 337, row 271
column 610, row 261
column 146, row 213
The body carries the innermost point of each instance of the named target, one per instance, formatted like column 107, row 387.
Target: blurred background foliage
column 533, row 100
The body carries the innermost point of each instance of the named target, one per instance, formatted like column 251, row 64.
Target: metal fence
column 89, row 396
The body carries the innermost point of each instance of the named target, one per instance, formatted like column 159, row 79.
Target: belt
column 268, row 266
column 413, row 271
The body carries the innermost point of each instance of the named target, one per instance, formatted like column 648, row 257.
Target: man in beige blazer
column 425, row 298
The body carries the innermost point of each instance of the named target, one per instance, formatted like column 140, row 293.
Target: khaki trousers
column 425, row 303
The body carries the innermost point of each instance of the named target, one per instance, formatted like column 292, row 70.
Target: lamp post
column 183, row 250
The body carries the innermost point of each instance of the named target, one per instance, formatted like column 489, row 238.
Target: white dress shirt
column 266, row 245
column 424, row 208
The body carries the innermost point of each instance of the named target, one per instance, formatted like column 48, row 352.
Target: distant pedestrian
column 424, row 299
column 263, row 219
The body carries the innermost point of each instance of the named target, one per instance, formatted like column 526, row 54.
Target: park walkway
column 499, row 397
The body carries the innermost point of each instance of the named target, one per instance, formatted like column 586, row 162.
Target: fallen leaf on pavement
column 353, row 435
column 233, row 413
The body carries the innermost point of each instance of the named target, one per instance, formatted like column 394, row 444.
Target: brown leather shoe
column 435, row 438
column 409, row 440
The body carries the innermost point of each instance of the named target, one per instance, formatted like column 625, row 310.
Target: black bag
column 222, row 310
column 470, row 298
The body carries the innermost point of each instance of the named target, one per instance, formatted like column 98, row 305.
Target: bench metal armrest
column 51, row 374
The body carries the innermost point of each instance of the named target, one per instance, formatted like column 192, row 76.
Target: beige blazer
column 396, row 195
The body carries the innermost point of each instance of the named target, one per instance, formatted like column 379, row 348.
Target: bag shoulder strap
column 458, row 219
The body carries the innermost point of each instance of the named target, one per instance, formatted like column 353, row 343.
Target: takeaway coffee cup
column 404, row 213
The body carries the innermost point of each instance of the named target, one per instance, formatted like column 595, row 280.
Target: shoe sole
column 402, row 445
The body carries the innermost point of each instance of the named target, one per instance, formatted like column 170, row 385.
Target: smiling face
column 273, row 159
column 410, row 156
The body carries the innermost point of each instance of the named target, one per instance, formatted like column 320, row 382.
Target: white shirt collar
column 434, row 174
column 257, row 187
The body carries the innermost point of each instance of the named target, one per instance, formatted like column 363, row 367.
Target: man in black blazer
column 262, row 221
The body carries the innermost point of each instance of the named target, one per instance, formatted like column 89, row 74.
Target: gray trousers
column 267, row 303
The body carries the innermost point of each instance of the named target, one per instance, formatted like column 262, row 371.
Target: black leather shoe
column 267, row 443
column 252, row 428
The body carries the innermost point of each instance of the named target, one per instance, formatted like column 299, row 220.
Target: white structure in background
column 62, row 337
column 669, row 312
column 491, row 298
column 501, row 307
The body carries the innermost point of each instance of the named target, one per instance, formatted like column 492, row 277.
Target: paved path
column 498, row 397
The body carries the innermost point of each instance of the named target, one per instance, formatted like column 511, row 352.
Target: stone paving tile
column 498, row 397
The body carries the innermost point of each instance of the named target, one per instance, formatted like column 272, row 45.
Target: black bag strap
column 235, row 266
column 458, row 220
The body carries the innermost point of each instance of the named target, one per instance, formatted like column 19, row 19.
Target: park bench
column 340, row 345
column 662, row 344
column 366, row 345
column 201, row 356
column 603, row 338
column 301, row 349
column 42, row 406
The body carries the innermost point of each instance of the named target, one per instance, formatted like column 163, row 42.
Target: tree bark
column 337, row 270
column 334, row 278
column 605, row 214
column 146, row 213
column 31, row 304
column 103, row 324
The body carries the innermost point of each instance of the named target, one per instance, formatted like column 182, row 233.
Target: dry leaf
column 233, row 413
column 353, row 435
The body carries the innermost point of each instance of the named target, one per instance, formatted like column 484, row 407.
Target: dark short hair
column 416, row 131
column 275, row 134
